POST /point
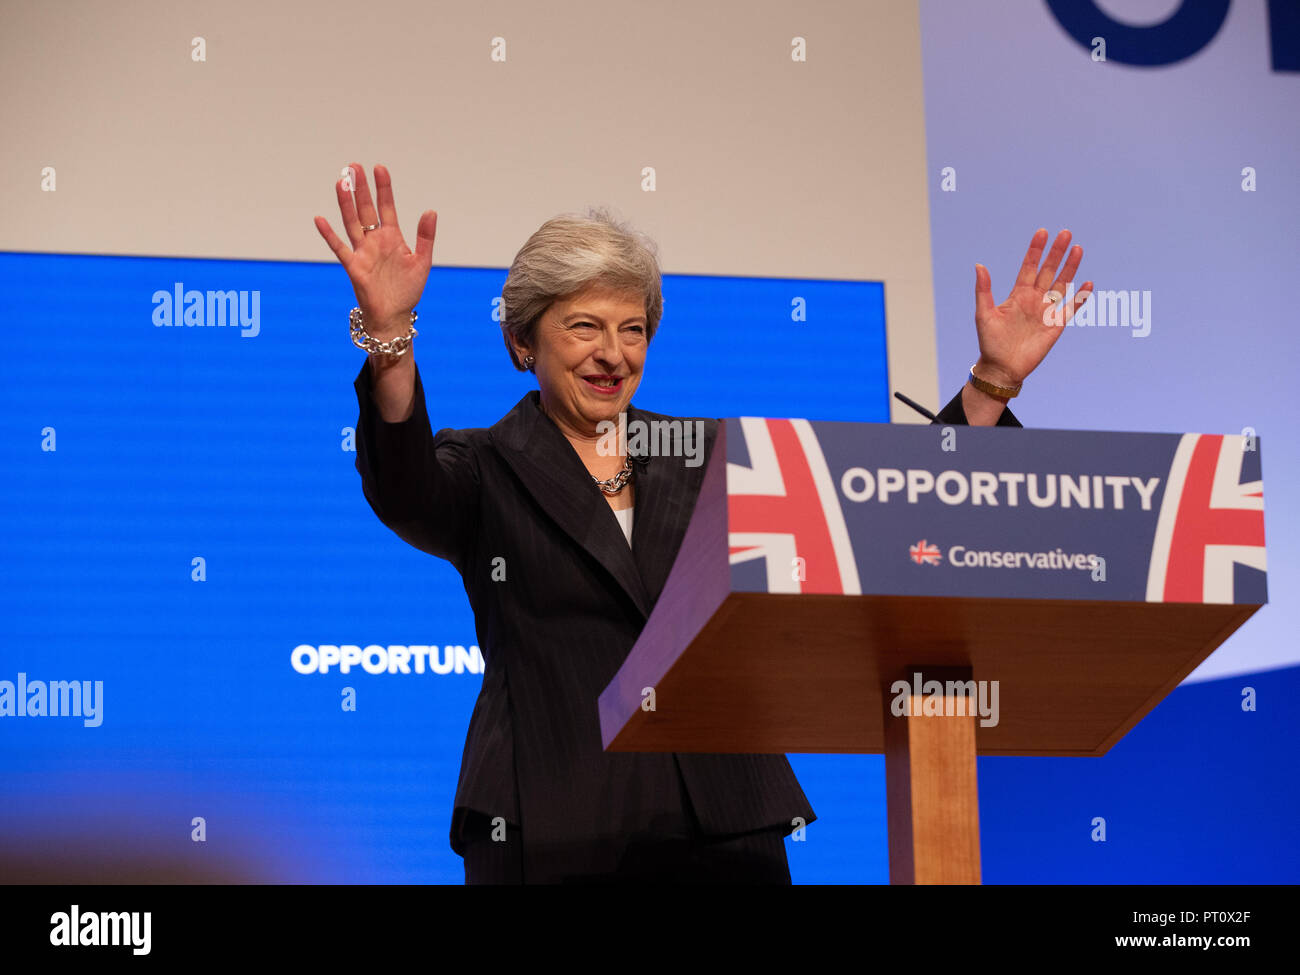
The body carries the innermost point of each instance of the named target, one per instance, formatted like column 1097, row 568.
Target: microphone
column 915, row 405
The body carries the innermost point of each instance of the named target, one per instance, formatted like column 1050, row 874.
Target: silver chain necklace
column 613, row 485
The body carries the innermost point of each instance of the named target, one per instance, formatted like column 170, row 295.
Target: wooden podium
column 1075, row 656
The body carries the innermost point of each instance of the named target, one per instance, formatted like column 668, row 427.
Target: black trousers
column 757, row 858
column 677, row 852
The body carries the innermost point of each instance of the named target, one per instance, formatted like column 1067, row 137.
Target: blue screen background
column 183, row 442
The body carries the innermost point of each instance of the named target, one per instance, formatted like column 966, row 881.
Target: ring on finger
column 373, row 226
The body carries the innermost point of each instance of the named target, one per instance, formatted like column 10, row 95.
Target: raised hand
column 386, row 275
column 1015, row 336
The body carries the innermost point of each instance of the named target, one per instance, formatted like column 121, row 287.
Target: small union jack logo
column 923, row 553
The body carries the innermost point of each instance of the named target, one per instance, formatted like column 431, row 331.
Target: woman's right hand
column 387, row 277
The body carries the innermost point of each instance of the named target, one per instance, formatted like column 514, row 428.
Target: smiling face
column 590, row 349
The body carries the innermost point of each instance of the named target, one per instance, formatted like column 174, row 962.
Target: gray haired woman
column 564, row 542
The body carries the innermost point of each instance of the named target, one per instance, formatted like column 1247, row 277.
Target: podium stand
column 935, row 593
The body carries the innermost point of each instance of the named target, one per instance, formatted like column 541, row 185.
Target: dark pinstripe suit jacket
column 516, row 498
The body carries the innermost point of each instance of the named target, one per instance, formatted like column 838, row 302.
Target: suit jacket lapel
column 550, row 468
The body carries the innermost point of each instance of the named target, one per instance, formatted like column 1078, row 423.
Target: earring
column 528, row 362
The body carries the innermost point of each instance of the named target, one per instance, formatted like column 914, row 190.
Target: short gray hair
column 567, row 254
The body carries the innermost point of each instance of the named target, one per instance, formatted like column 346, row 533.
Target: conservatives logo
column 926, row 552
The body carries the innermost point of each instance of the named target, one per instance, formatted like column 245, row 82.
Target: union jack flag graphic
column 924, row 553
column 1209, row 521
column 784, row 508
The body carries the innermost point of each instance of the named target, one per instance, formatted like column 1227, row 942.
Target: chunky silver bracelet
column 362, row 340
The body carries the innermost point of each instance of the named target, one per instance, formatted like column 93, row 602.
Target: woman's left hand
column 1015, row 336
